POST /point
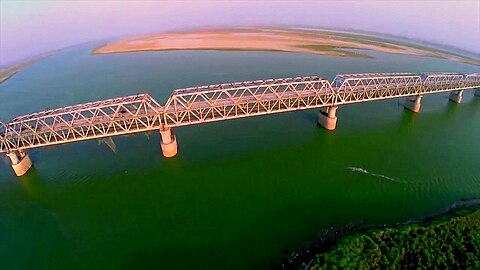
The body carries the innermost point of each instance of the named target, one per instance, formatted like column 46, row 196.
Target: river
column 240, row 193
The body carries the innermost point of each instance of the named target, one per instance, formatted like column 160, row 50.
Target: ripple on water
column 68, row 175
column 445, row 189
column 379, row 176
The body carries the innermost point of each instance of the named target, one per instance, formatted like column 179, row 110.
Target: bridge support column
column 21, row 162
column 413, row 103
column 327, row 117
column 169, row 142
column 477, row 92
column 456, row 96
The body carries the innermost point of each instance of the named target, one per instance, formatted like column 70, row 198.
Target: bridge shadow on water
column 32, row 184
column 310, row 116
column 447, row 112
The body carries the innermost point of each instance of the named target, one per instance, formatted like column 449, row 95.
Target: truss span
column 92, row 120
column 236, row 100
column 139, row 113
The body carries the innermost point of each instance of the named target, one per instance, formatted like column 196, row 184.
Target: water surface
column 240, row 193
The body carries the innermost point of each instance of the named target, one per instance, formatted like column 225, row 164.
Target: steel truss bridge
column 204, row 104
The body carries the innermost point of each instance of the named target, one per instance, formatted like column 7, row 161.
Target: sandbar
column 278, row 40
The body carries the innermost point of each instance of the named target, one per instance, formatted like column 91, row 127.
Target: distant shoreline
column 11, row 70
column 294, row 40
column 320, row 42
column 8, row 72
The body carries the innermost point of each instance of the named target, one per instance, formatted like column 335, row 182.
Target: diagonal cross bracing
column 195, row 105
column 237, row 100
column 82, row 122
column 3, row 134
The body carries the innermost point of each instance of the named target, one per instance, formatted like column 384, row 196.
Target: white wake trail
column 362, row 170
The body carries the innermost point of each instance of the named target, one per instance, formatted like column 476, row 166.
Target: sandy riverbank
column 8, row 72
column 282, row 40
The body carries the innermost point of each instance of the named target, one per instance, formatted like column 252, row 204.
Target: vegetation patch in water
column 450, row 242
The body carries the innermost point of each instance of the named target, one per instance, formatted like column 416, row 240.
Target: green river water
column 240, row 193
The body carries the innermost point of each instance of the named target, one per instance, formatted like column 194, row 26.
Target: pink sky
column 31, row 27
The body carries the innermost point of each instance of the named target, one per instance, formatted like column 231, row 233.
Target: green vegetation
column 451, row 242
column 383, row 44
column 394, row 44
column 318, row 47
column 326, row 48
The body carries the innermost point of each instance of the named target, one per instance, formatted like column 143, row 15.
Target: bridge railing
column 236, row 100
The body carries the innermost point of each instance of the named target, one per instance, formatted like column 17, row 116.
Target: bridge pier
column 456, row 96
column 21, row 162
column 168, row 143
column 413, row 103
column 327, row 117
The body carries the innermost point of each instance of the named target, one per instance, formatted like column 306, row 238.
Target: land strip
column 278, row 40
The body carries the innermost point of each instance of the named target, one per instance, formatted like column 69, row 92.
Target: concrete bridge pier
column 413, row 103
column 169, row 142
column 21, row 162
column 456, row 96
column 327, row 117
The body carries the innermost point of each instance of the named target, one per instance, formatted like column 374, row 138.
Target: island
column 321, row 42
